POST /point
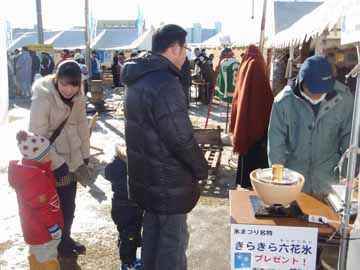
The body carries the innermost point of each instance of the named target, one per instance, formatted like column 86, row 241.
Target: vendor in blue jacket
column 310, row 125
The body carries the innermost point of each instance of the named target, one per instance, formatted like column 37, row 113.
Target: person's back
column 23, row 71
column 153, row 96
column 164, row 160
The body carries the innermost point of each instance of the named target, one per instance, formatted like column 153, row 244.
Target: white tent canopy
column 106, row 39
column 324, row 17
column 143, row 42
column 240, row 38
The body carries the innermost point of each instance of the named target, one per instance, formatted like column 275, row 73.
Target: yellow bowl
column 273, row 193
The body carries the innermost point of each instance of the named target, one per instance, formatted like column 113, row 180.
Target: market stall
column 318, row 32
column 276, row 226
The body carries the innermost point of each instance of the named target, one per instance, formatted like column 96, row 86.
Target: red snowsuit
column 39, row 205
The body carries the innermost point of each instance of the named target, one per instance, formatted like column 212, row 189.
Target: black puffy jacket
column 164, row 160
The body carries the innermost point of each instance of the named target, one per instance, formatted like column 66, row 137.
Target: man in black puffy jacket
column 164, row 160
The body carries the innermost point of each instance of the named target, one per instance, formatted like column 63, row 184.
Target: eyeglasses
column 187, row 48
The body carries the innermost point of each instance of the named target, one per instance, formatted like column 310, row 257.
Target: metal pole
column 227, row 115
column 39, row 22
column 262, row 32
column 354, row 143
column 87, row 43
column 253, row 10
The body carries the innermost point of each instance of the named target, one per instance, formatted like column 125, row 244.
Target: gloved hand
column 55, row 232
column 83, row 176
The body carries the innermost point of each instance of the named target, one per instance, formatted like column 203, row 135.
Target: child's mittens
column 55, row 232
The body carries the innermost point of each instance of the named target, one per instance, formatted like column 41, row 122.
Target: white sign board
column 273, row 247
column 350, row 26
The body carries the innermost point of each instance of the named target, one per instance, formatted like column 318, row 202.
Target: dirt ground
column 208, row 223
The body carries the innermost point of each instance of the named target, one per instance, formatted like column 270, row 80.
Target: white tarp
column 240, row 38
column 143, row 42
column 322, row 18
column 4, row 87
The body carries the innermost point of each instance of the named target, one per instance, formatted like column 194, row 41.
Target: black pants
column 116, row 80
column 67, row 195
column 128, row 218
column 255, row 158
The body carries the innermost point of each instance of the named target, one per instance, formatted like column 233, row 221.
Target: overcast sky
column 235, row 15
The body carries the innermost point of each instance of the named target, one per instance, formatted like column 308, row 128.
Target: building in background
column 197, row 34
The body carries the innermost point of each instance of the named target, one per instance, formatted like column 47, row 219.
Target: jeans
column 165, row 239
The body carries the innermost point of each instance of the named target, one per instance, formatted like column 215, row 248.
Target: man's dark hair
column 196, row 49
column 121, row 54
column 167, row 36
column 25, row 49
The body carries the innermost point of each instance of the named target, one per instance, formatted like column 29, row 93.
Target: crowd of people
column 24, row 65
column 155, row 178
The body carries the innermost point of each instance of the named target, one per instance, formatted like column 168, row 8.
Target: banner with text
column 273, row 247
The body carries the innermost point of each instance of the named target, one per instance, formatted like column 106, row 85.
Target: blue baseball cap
column 316, row 73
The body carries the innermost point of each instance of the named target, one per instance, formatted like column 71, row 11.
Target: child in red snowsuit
column 39, row 207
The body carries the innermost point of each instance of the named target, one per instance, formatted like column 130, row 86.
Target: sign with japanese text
column 273, row 247
column 350, row 26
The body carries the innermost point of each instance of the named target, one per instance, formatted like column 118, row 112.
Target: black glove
column 86, row 161
column 62, row 171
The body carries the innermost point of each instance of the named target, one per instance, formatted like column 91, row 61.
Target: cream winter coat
column 48, row 111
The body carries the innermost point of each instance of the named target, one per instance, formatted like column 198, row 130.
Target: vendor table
column 241, row 212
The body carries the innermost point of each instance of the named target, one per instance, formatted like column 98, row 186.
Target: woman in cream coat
column 57, row 98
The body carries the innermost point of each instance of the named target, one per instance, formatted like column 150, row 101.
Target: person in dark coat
column 185, row 79
column 164, row 160
column 125, row 213
column 35, row 65
column 115, row 70
column 47, row 64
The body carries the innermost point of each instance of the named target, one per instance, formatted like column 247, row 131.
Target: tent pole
column 227, row 116
column 262, row 32
column 354, row 144
column 87, row 43
column 39, row 22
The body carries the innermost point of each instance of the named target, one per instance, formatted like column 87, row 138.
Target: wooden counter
column 241, row 212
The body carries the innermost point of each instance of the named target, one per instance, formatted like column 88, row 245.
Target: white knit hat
column 32, row 146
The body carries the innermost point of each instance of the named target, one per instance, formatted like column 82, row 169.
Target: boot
column 32, row 262
column 69, row 247
column 49, row 265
